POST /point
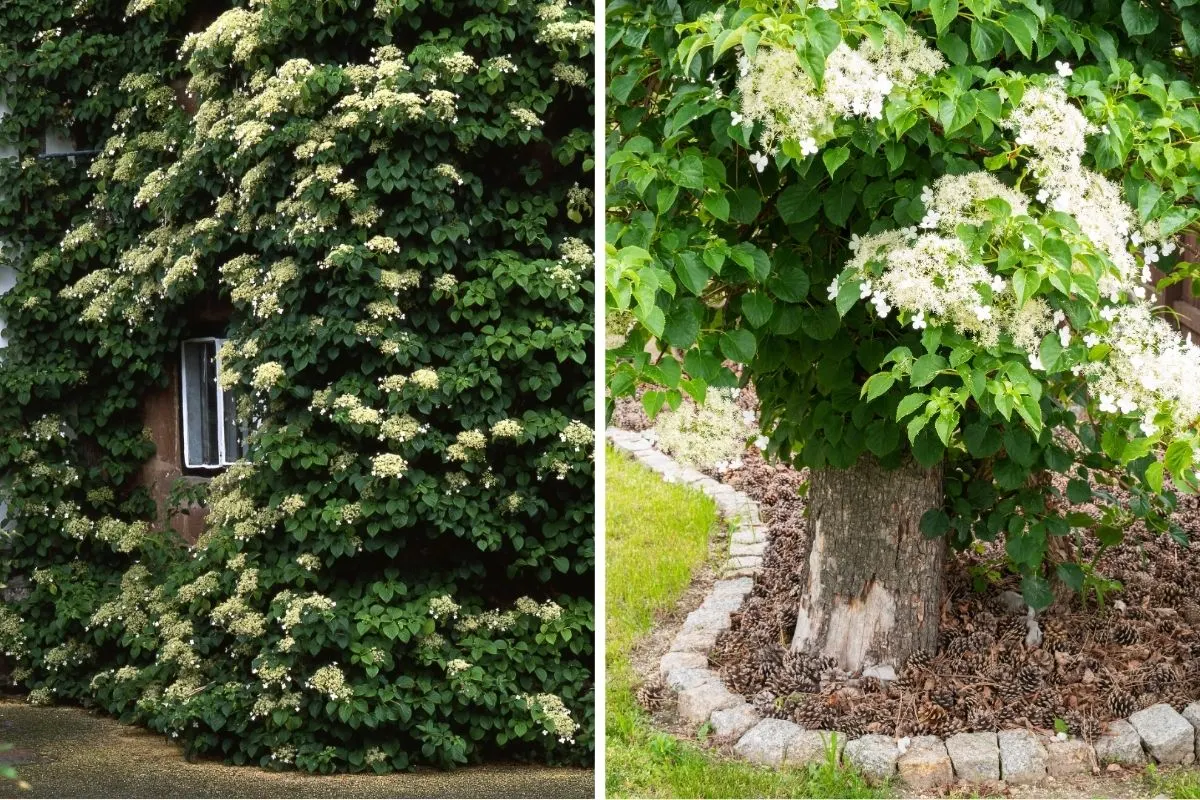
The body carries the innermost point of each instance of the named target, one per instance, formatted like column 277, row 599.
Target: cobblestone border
column 1020, row 757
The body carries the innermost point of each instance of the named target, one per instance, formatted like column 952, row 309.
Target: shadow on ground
column 68, row 752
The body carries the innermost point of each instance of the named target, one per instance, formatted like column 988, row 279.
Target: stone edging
column 1017, row 756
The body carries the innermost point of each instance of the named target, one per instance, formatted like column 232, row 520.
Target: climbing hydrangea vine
column 936, row 230
column 393, row 204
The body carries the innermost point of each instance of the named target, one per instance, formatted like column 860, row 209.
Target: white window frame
column 222, row 450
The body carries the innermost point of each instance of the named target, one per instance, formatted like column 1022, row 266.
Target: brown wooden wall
column 1180, row 296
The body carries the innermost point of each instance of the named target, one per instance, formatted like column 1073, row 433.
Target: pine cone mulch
column 1092, row 665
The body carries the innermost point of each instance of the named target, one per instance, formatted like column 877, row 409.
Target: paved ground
column 67, row 752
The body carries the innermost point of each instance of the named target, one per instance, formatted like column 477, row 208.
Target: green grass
column 1183, row 784
column 658, row 536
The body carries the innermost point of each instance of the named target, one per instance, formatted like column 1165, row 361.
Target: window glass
column 200, row 404
column 234, row 434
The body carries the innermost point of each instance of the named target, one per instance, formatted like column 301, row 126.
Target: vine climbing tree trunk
column 874, row 581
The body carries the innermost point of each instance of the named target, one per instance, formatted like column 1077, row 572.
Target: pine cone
column 1041, row 715
column 932, row 719
column 1160, row 676
column 974, row 663
column 984, row 623
column 652, row 696
column 1168, row 593
column 851, row 724
column 796, row 674
column 944, row 696
column 920, row 660
column 1009, row 689
column 1029, row 678
column 981, row 718
column 812, row 716
column 1121, row 703
column 1190, row 611
column 1055, row 636
column 1083, row 725
column 980, row 641
column 1012, row 631
column 1177, row 697
column 958, row 647
column 1124, row 632
column 765, row 703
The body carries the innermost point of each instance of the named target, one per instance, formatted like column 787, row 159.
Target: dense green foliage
column 392, row 198
column 738, row 230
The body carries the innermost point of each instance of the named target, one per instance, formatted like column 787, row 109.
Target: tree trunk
column 874, row 581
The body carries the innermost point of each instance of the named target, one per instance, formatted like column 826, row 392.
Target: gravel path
column 67, row 752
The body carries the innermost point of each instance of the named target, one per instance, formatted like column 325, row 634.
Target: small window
column 211, row 436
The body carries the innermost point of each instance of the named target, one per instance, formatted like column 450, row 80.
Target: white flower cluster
column 1048, row 124
column 1151, row 371
column 329, row 681
column 554, row 715
column 1146, row 368
column 711, row 436
column 779, row 94
column 932, row 276
column 388, row 465
column 443, row 606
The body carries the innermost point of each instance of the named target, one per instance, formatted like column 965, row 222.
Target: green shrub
column 389, row 195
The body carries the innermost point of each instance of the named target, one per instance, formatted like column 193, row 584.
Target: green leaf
column 1050, row 351
column 839, row 202
column 757, row 308
column 834, row 157
column 954, row 47
column 1079, row 491
column 944, row 12
column 1179, row 456
column 934, row 523
column 1025, row 285
column 717, row 204
column 1022, row 29
column 927, row 449
column 683, row 323
column 652, row 403
column 756, row 262
column 738, row 345
column 962, row 113
column 1036, row 591
column 789, row 282
column 744, row 205
column 926, row 368
column 986, row 40
column 877, row 384
column 823, row 32
column 847, row 296
column 982, row 440
column 1109, row 535
column 692, row 272
column 1071, row 574
column 1059, row 252
column 909, row 404
column 797, row 204
column 1154, row 476
column 1139, row 20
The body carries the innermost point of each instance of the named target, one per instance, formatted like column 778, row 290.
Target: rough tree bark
column 874, row 581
